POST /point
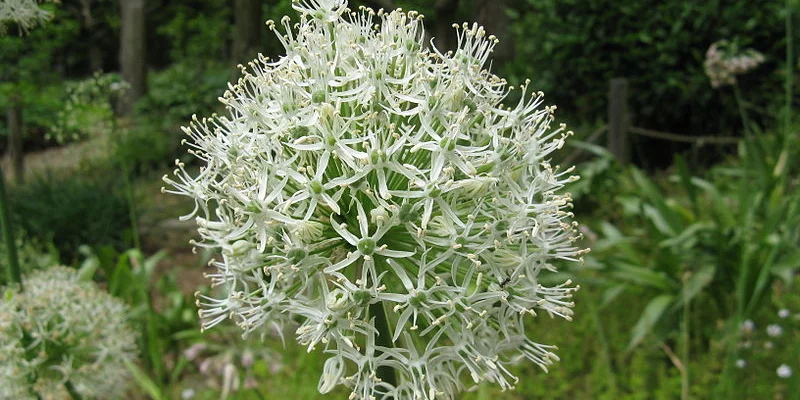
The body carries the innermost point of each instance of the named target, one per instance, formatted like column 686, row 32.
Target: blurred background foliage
column 690, row 241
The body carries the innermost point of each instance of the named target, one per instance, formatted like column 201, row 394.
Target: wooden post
column 618, row 120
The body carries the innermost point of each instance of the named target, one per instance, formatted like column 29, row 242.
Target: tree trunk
column 246, row 30
column 132, row 52
column 95, row 53
column 492, row 15
column 386, row 5
column 15, row 153
column 445, row 37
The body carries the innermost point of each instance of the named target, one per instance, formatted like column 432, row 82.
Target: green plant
column 576, row 46
column 164, row 315
column 183, row 89
column 73, row 210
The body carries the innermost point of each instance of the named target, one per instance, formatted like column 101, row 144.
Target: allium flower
column 784, row 371
column 740, row 363
column 380, row 194
column 24, row 13
column 747, row 326
column 783, row 313
column 63, row 331
column 724, row 61
column 774, row 330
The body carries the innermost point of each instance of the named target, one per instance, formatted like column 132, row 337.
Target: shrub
column 70, row 211
column 576, row 46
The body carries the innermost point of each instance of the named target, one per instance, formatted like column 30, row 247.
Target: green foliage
column 196, row 30
column 724, row 240
column 183, row 89
column 148, row 146
column 574, row 47
column 32, row 255
column 87, row 109
column 71, row 211
column 165, row 323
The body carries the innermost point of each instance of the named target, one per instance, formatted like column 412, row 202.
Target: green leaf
column 697, row 282
column 611, row 294
column 649, row 318
column 643, row 276
column 144, row 381
column 787, row 267
column 689, row 237
column 658, row 220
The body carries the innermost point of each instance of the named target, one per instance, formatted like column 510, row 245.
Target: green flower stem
column 742, row 110
column 384, row 339
column 14, row 273
column 131, row 205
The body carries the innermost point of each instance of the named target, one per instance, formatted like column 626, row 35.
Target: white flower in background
column 382, row 195
column 747, row 326
column 26, row 14
column 61, row 330
column 724, row 61
column 784, row 371
column 783, row 313
column 774, row 330
column 740, row 363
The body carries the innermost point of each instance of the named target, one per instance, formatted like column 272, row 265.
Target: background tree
column 132, row 58
column 493, row 15
column 247, row 28
column 444, row 35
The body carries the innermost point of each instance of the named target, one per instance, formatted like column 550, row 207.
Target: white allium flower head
column 382, row 195
column 784, row 371
column 741, row 363
column 783, row 313
column 26, row 14
column 61, row 330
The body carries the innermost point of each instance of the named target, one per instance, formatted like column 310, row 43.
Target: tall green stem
column 131, row 205
column 685, row 333
column 742, row 110
column 14, row 274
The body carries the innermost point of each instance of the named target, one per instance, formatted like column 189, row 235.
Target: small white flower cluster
column 26, row 14
column 748, row 334
column 724, row 61
column 784, row 371
column 87, row 110
column 63, row 331
column 382, row 195
column 229, row 368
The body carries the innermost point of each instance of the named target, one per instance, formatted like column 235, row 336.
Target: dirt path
column 60, row 159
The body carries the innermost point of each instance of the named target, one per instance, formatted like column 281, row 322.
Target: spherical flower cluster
column 63, row 332
column 381, row 194
column 724, row 61
column 26, row 14
column 784, row 371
